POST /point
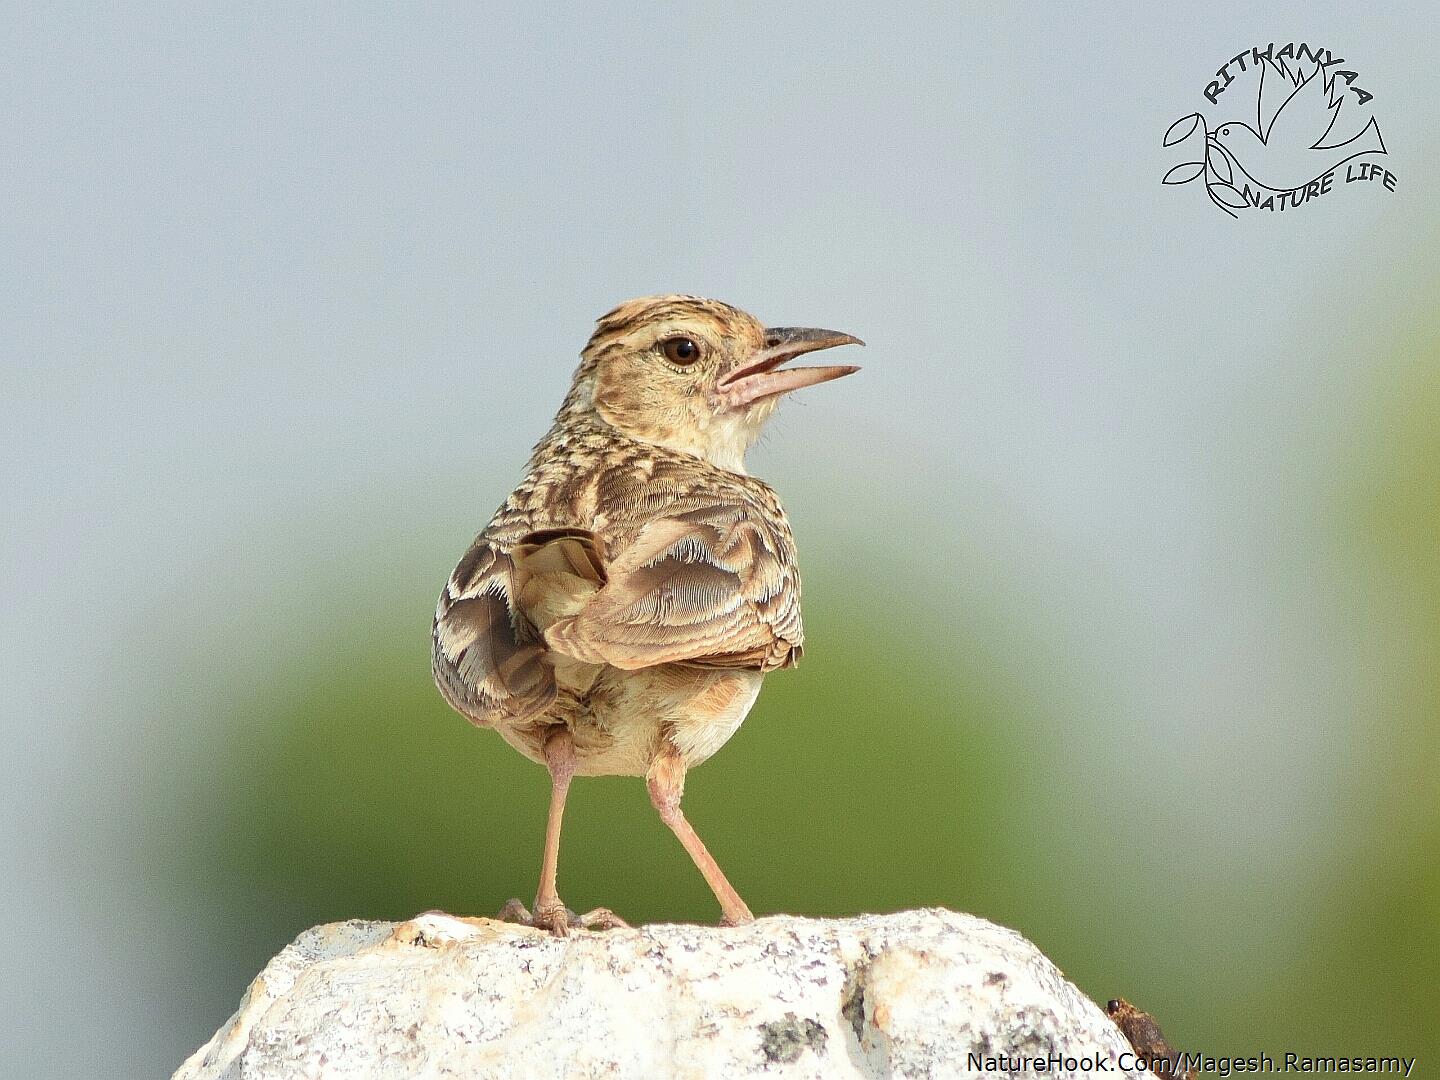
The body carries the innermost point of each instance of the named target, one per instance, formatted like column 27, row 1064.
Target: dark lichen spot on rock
column 1033, row 1031
column 411, row 934
column 994, row 977
column 853, row 1009
column 783, row 1041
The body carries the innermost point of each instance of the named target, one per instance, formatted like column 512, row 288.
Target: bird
column 620, row 610
column 1292, row 141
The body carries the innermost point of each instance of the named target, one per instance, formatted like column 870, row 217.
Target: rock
column 912, row 994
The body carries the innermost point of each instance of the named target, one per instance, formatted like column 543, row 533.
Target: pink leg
column 560, row 759
column 666, row 783
column 550, row 912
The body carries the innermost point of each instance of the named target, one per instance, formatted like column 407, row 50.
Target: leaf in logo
column 1184, row 172
column 1181, row 129
column 1220, row 166
column 1229, row 195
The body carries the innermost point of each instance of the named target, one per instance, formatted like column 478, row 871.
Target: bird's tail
column 1368, row 141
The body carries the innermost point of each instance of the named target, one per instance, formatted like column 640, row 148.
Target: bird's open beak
column 759, row 378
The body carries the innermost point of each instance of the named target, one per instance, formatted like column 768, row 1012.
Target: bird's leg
column 665, row 781
column 559, row 752
column 550, row 912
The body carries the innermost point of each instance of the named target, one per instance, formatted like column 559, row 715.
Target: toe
column 603, row 919
column 515, row 912
column 556, row 918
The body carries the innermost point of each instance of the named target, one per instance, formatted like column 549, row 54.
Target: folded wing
column 711, row 586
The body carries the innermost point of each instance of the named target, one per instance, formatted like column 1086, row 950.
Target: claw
column 559, row 920
column 602, row 918
column 556, row 918
column 516, row 912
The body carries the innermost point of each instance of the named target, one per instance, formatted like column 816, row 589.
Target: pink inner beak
column 760, row 378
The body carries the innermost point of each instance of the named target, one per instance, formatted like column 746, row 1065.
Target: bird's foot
column 734, row 911
column 558, row 919
column 602, row 918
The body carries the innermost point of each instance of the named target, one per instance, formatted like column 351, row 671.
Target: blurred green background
column 1122, row 555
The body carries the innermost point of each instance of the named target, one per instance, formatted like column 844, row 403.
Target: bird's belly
column 624, row 718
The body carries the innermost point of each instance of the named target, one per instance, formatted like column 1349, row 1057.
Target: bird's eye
column 1224, row 131
column 680, row 350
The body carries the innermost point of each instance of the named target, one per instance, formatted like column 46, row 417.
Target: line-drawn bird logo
column 1283, row 151
column 1298, row 133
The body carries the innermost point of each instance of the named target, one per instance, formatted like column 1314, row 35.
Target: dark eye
column 1224, row 131
column 680, row 350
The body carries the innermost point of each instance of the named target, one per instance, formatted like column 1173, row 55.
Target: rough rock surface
column 904, row 995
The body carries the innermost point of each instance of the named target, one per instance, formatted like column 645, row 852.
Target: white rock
column 905, row 995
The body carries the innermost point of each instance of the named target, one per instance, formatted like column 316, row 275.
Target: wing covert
column 713, row 585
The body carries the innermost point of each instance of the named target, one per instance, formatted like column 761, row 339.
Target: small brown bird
column 619, row 611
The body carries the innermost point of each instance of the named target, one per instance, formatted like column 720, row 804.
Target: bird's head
column 1236, row 138
column 696, row 375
